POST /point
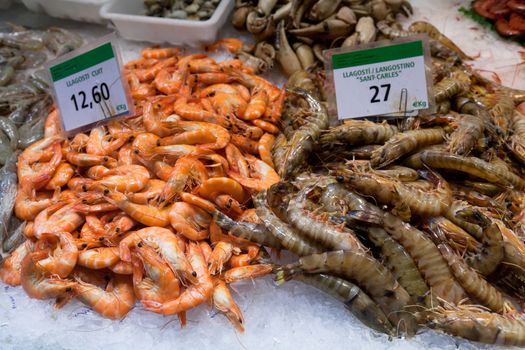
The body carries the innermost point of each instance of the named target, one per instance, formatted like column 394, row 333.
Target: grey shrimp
column 427, row 257
column 329, row 235
column 289, row 239
column 369, row 275
column 256, row 233
column 404, row 143
column 353, row 297
column 473, row 166
column 359, row 132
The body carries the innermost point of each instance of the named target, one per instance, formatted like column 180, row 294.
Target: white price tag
column 88, row 86
column 386, row 80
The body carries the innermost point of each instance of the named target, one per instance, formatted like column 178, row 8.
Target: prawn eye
column 105, row 159
column 69, row 289
column 84, row 188
column 101, row 239
column 84, row 201
column 194, row 274
column 83, row 246
column 340, row 178
column 139, row 244
column 106, row 192
column 136, row 151
column 158, row 143
column 117, row 230
column 131, row 138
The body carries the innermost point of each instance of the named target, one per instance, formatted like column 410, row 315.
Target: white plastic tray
column 4, row 4
column 129, row 18
column 80, row 10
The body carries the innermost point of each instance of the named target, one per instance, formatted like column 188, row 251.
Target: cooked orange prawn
column 152, row 277
column 151, row 192
column 160, row 52
column 63, row 174
column 186, row 172
column 237, row 161
column 221, row 136
column 26, row 206
column 53, row 125
column 149, row 73
column 190, row 221
column 99, row 258
column 139, row 90
column 145, row 214
column 122, row 268
column 262, row 175
column 195, row 112
column 214, row 89
column 40, row 176
column 221, row 185
column 204, row 65
column 144, row 144
column 37, row 285
column 99, row 145
column 229, row 205
column 220, row 255
column 198, row 201
column 10, row 269
column 61, row 259
column 97, row 172
column 63, row 218
column 266, row 126
column 231, row 44
column 153, row 115
column 114, row 302
column 119, row 225
column 245, row 272
column 255, row 82
column 246, row 144
column 126, row 178
column 79, row 142
column 265, row 148
column 195, row 294
column 229, row 104
column 257, row 105
column 166, row 244
column 213, row 78
column 88, row 160
column 223, row 301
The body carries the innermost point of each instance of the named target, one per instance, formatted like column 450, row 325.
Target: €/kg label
column 390, row 80
column 89, row 88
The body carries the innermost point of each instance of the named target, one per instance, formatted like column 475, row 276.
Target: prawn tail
column 150, row 305
column 182, row 319
column 283, row 275
column 370, row 217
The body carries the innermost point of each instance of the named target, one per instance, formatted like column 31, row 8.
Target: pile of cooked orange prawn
column 124, row 212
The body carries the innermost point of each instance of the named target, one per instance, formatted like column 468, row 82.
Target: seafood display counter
column 181, row 227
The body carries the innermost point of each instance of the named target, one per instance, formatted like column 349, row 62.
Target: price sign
column 88, row 86
column 387, row 79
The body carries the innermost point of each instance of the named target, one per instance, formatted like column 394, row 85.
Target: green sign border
column 81, row 62
column 377, row 55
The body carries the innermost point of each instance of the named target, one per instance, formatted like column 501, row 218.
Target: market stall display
column 411, row 223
